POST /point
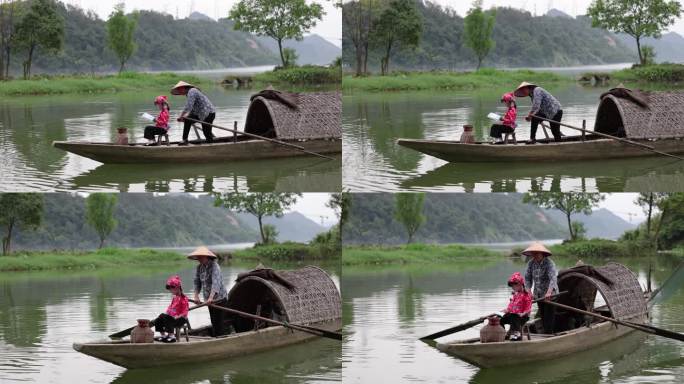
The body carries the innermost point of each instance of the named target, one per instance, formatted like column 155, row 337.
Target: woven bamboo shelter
column 615, row 282
column 318, row 115
column 662, row 119
column 314, row 297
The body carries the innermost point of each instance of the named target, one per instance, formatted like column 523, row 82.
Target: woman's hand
column 197, row 298
column 528, row 118
column 548, row 294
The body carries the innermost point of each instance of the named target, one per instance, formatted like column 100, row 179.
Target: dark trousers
column 151, row 131
column 514, row 320
column 206, row 128
column 548, row 316
column 219, row 318
column 555, row 127
column 498, row 129
column 166, row 323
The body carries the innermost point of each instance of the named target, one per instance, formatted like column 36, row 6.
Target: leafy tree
column 409, row 212
column 568, row 203
column 8, row 15
column 270, row 234
column 478, row 27
column 649, row 201
column 259, row 204
column 291, row 57
column 100, row 214
column 19, row 210
column 277, row 19
column 649, row 54
column 357, row 23
column 399, row 23
column 579, row 229
column 341, row 203
column 41, row 27
column 637, row 18
column 120, row 34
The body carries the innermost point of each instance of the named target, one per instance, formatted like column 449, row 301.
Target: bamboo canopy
column 662, row 119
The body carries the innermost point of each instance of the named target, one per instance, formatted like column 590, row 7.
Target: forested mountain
column 601, row 223
column 465, row 218
column 163, row 44
column 313, row 49
column 522, row 40
column 293, row 226
column 668, row 48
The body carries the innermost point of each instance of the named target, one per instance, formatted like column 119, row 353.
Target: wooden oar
column 301, row 328
column 641, row 327
column 472, row 323
column 127, row 331
column 620, row 139
column 300, row 148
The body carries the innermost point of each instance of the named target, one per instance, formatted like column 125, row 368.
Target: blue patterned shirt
column 208, row 279
column 541, row 275
column 543, row 102
column 198, row 104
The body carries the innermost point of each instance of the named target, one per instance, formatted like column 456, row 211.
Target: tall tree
column 19, row 210
column 277, row 19
column 400, row 23
column 341, row 203
column 409, row 212
column 478, row 27
column 258, row 204
column 569, row 203
column 637, row 18
column 649, row 202
column 41, row 26
column 8, row 15
column 120, row 34
column 100, row 214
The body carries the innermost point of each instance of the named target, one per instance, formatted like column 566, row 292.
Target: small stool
column 183, row 328
column 525, row 329
column 507, row 135
column 162, row 138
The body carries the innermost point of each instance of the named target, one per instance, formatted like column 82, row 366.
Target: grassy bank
column 671, row 75
column 64, row 84
column 599, row 249
column 289, row 251
column 103, row 258
column 413, row 254
column 304, row 76
column 482, row 79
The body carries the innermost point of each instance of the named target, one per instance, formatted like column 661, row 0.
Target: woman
column 197, row 107
column 543, row 105
column 209, row 280
column 542, row 275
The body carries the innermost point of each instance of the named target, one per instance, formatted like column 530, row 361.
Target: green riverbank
column 482, row 79
column 667, row 76
column 65, row 84
column 413, row 254
column 103, row 258
column 288, row 251
column 307, row 75
column 598, row 249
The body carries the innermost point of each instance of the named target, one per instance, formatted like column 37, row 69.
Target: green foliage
column 637, row 18
column 19, row 210
column 121, row 34
column 600, row 248
column 41, row 26
column 304, row 75
column 329, row 243
column 100, row 214
column 290, row 56
column 408, row 211
column 657, row 73
column 579, row 230
column 648, row 54
column 413, row 253
column 670, row 227
column 258, row 204
column 277, row 19
column 341, row 203
column 485, row 78
column 288, row 251
column 566, row 202
column 477, row 31
column 270, row 234
column 398, row 24
column 103, row 258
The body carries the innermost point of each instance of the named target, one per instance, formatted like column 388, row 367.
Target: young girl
column 161, row 122
column 518, row 311
column 176, row 314
column 508, row 120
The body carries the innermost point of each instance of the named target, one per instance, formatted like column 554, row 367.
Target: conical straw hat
column 523, row 85
column 537, row 247
column 181, row 84
column 201, row 251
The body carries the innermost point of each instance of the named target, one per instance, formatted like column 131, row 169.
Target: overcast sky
column 330, row 28
column 312, row 205
column 571, row 7
column 622, row 204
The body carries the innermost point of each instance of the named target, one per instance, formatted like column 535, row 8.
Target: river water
column 387, row 309
column 372, row 161
column 43, row 313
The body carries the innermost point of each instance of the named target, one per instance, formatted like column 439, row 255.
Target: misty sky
column 312, row 205
column 330, row 28
column 622, row 204
column 571, row 7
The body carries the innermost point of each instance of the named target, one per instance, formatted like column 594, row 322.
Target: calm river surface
column 29, row 125
column 372, row 160
column 43, row 313
column 387, row 309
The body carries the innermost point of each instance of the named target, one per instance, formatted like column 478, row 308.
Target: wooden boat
column 314, row 125
column 314, row 301
column 657, row 126
column 624, row 300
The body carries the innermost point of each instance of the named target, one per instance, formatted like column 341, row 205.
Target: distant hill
column 313, row 49
column 464, row 218
column 293, row 226
column 522, row 40
column 669, row 47
column 601, row 223
column 553, row 12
